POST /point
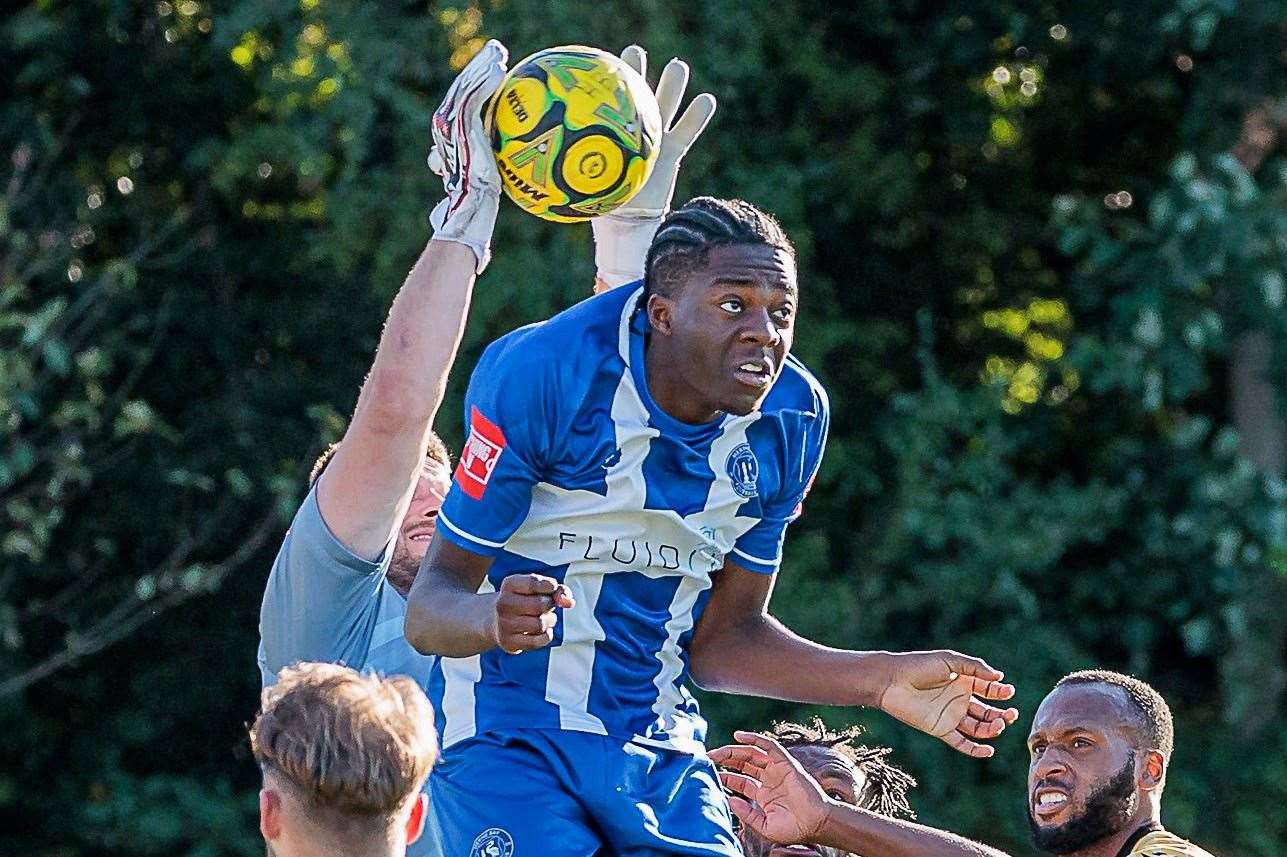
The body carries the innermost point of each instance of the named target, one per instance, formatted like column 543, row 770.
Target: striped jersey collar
column 1135, row 837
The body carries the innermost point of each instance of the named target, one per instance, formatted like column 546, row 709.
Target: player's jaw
column 418, row 525
column 1067, row 814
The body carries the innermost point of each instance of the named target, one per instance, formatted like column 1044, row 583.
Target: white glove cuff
column 621, row 247
column 471, row 224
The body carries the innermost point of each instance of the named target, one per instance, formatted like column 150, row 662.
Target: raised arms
column 366, row 487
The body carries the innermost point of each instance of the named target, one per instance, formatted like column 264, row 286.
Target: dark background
column 1042, row 250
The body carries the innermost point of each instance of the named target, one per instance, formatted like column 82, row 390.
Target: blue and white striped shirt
column 572, row 470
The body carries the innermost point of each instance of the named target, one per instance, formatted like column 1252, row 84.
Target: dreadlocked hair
column 690, row 231
column 887, row 785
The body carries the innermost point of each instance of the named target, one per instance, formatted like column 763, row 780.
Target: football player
column 337, row 591
column 614, row 526
column 344, row 757
column 1100, row 747
column 846, row 771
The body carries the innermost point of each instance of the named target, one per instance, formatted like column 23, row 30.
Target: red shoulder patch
column 482, row 450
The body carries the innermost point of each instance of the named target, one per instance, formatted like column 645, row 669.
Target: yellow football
column 575, row 131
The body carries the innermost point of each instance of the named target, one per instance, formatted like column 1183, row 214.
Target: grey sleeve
column 321, row 600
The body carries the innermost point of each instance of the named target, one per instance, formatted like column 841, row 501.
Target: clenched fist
column 523, row 618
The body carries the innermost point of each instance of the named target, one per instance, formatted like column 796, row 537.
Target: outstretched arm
column 932, row 691
column 367, row 485
column 770, row 793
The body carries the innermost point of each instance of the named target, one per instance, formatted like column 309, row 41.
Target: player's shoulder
column 798, row 391
column 1163, row 843
column 581, row 336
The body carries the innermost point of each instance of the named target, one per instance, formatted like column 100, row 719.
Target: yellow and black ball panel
column 527, row 160
column 520, row 106
column 592, row 165
column 575, row 132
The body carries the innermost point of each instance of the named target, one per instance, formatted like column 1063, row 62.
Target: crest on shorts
column 493, row 842
column 482, row 450
column 743, row 471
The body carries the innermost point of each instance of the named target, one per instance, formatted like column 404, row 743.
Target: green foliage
column 1027, row 255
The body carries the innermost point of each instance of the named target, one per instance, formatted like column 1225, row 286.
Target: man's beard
column 402, row 571
column 1108, row 809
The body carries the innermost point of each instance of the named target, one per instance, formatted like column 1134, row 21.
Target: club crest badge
column 743, row 471
column 493, row 842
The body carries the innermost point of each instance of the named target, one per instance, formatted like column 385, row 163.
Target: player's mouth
column 420, row 534
column 1048, row 802
column 756, row 373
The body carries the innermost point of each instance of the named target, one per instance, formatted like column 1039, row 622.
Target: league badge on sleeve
column 482, row 450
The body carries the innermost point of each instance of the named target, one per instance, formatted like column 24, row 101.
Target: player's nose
column 1051, row 764
column 760, row 328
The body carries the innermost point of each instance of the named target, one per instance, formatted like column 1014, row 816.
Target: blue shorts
column 539, row 792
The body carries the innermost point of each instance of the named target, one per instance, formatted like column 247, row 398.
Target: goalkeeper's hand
column 462, row 155
column 621, row 239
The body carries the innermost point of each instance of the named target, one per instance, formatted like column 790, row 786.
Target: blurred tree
column 1042, row 248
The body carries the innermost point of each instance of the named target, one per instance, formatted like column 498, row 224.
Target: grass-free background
column 1041, row 246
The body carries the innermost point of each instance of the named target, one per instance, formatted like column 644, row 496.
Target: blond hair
column 355, row 748
column 435, row 450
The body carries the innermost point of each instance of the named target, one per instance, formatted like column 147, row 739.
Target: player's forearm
column 369, row 482
column 859, row 831
column 762, row 657
column 420, row 338
column 443, row 619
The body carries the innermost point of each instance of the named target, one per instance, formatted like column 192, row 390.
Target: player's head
column 419, row 523
column 1099, row 745
column 720, row 285
column 846, row 770
column 344, row 757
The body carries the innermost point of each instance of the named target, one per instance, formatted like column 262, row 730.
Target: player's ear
column 270, row 814
column 416, row 818
column 1153, row 772
column 661, row 314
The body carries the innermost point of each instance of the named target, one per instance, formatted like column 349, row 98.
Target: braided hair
column 690, row 231
column 887, row 785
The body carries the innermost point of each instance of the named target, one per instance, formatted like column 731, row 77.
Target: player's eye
column 784, row 313
column 1037, row 749
column 1081, row 743
column 731, row 305
column 836, row 794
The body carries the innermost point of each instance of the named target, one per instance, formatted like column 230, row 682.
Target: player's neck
column 669, row 390
column 1112, row 846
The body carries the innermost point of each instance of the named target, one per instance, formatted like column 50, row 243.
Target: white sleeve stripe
column 746, row 555
column 458, row 531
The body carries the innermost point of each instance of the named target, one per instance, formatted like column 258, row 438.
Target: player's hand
column 768, row 790
column 621, row 238
column 942, row 693
column 524, row 617
column 462, row 155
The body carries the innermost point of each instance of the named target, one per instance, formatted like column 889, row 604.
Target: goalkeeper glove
column 622, row 238
column 462, row 156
